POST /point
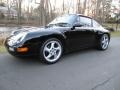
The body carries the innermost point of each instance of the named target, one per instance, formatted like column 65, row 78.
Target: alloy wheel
column 104, row 41
column 52, row 51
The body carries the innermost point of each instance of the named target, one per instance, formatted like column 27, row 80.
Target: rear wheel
column 103, row 42
column 51, row 51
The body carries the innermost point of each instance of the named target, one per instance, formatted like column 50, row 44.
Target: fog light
column 23, row 49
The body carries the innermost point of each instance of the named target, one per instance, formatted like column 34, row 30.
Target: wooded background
column 101, row 10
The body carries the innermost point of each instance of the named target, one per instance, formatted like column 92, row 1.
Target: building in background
column 6, row 12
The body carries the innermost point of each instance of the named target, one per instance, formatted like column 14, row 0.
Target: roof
column 81, row 15
column 84, row 16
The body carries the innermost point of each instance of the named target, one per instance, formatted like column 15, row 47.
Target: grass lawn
column 2, row 49
column 115, row 34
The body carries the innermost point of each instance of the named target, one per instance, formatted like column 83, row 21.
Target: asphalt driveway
column 85, row 70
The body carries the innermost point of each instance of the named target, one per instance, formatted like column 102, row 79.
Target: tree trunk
column 19, row 11
column 84, row 6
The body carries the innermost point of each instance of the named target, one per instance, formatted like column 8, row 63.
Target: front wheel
column 51, row 51
column 104, row 42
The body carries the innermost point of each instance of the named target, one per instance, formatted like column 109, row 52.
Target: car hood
column 41, row 29
column 20, row 36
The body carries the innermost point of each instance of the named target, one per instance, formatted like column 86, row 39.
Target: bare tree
column 78, row 8
column 46, row 10
column 19, row 10
column 84, row 6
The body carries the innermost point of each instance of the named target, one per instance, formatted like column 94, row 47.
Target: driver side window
column 84, row 21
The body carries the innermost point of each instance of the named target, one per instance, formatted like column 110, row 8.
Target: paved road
column 85, row 70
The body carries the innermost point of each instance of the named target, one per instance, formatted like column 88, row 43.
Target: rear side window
column 86, row 22
column 96, row 24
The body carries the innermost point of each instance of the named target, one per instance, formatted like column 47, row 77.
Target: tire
column 51, row 51
column 103, row 42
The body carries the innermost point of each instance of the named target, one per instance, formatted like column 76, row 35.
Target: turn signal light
column 23, row 49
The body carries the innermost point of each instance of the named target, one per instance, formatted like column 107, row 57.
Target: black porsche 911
column 64, row 34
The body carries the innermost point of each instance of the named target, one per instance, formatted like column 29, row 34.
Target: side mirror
column 77, row 25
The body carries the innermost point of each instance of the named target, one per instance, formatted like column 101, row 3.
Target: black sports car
column 64, row 34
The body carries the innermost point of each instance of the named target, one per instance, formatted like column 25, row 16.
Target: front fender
column 40, row 38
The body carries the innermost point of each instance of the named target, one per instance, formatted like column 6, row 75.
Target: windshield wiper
column 63, row 24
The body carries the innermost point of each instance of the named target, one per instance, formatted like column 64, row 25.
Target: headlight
column 20, row 37
column 14, row 32
column 15, row 39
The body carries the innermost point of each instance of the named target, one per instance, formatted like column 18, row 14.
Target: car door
column 86, row 32
column 72, row 40
column 83, row 36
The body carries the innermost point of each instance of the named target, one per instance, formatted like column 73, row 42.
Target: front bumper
column 13, row 50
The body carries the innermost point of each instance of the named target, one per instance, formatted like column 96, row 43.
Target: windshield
column 65, row 20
